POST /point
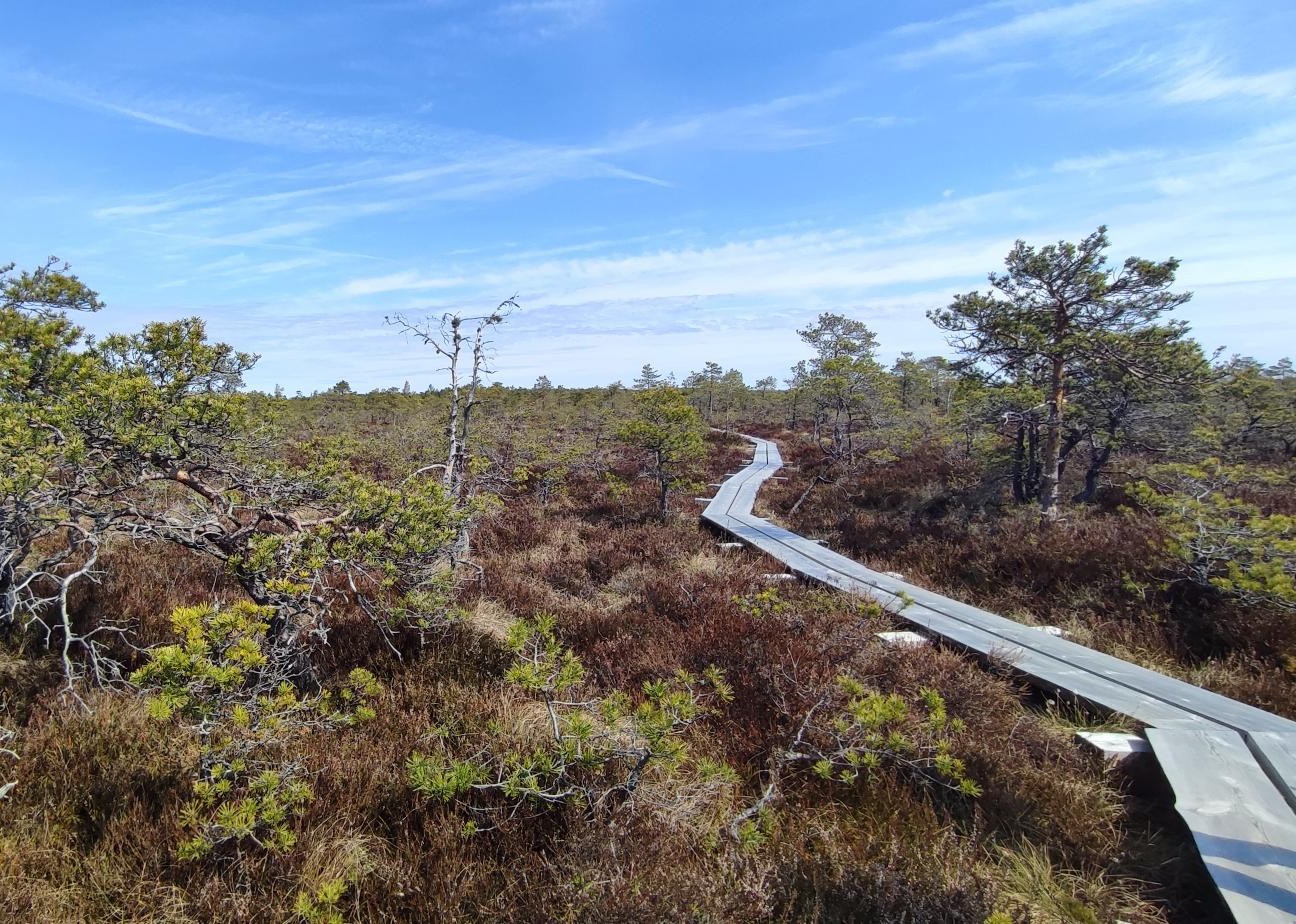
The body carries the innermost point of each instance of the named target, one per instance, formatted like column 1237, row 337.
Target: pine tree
column 1060, row 313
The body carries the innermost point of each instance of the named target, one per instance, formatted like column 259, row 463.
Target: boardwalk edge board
column 1232, row 766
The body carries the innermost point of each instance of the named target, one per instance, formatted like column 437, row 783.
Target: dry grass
column 90, row 833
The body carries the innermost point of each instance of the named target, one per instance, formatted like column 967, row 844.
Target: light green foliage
column 542, row 665
column 389, row 543
column 1251, row 413
column 219, row 648
column 762, row 603
column 753, row 833
column 230, row 806
column 49, row 467
column 233, row 688
column 444, row 781
column 1223, row 536
column 545, row 459
column 716, row 392
column 595, row 749
column 169, row 396
column 919, row 399
column 670, row 431
column 861, row 732
column 649, row 377
column 148, row 435
column 320, row 905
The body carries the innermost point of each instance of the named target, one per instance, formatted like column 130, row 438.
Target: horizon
column 659, row 184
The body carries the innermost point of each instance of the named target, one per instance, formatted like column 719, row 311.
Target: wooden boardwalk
column 1232, row 766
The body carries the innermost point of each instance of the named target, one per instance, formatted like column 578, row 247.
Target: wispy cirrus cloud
column 1190, row 70
column 398, row 282
column 792, row 121
column 1065, row 22
column 548, row 19
column 926, row 26
column 525, row 21
column 1098, row 163
column 893, row 266
column 1209, row 80
column 597, row 307
column 269, row 207
column 294, row 177
column 227, row 117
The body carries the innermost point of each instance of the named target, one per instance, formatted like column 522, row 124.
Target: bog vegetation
column 466, row 654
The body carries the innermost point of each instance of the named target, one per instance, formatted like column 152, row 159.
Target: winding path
column 1232, row 766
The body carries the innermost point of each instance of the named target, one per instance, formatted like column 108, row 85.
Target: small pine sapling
column 233, row 688
column 597, row 752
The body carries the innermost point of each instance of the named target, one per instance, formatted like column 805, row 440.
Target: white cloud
column 397, row 282
column 1098, row 163
column 247, row 207
column 547, row 19
column 1065, row 22
column 1227, row 220
column 237, row 119
column 268, row 233
column 276, row 241
column 757, row 126
column 1193, row 71
column 1209, row 82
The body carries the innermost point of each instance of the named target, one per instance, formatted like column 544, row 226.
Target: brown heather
column 1102, row 572
column 90, row 833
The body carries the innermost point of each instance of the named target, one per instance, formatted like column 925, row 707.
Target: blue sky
column 657, row 181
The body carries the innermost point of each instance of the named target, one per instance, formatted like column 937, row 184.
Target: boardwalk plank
column 1276, row 752
column 1242, row 827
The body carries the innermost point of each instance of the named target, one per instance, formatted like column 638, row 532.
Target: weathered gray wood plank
column 1276, row 753
column 1115, row 747
column 1244, row 830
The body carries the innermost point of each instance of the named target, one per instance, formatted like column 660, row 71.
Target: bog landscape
column 648, row 461
column 469, row 653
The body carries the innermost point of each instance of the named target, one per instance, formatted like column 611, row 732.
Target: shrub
column 233, row 688
column 598, row 752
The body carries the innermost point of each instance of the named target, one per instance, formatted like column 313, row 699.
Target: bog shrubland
column 466, row 653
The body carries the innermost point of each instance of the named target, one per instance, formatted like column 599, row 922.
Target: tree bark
column 1018, row 464
column 452, row 472
column 1052, row 460
column 1032, row 460
column 1097, row 462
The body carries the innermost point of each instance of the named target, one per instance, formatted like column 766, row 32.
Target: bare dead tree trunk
column 446, row 336
column 453, row 446
column 819, row 479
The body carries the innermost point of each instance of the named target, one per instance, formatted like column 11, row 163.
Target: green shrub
column 234, row 690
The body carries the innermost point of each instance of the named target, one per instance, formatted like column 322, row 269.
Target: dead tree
column 462, row 342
